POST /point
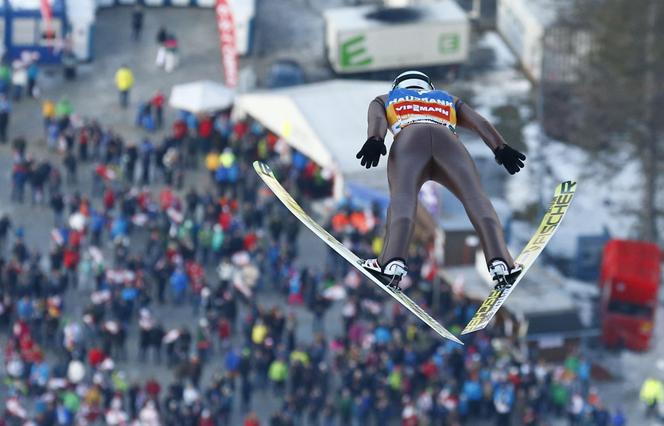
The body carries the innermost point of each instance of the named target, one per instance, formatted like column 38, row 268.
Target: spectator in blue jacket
column 179, row 283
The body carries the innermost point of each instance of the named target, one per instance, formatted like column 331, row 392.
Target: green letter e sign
column 448, row 43
column 353, row 53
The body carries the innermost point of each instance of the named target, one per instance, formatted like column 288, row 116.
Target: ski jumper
column 425, row 148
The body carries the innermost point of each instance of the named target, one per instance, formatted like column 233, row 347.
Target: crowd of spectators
column 84, row 316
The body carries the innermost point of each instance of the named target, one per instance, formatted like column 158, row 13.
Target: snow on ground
column 499, row 88
column 585, row 295
column 504, row 84
column 599, row 199
column 504, row 58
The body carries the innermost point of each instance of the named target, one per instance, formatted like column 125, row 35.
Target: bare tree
column 619, row 94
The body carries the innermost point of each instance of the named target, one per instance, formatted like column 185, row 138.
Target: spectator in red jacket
column 109, row 199
column 153, row 388
column 205, row 129
column 251, row 420
column 70, row 261
column 250, row 241
column 157, row 103
column 240, row 129
column 179, row 130
column 96, row 356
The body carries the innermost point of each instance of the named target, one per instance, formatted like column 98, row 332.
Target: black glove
column 510, row 158
column 371, row 151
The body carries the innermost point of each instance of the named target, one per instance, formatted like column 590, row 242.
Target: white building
column 523, row 24
column 371, row 38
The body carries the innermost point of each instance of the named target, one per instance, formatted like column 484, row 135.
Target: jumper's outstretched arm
column 376, row 119
column 471, row 119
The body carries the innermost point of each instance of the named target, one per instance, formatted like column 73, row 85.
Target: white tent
column 325, row 121
column 201, row 96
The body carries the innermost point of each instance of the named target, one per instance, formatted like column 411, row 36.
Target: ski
column 550, row 222
column 268, row 177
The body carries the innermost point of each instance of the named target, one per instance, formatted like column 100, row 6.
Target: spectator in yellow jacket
column 48, row 112
column 124, row 81
column 652, row 394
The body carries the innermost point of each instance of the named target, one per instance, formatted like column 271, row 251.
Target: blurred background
column 148, row 277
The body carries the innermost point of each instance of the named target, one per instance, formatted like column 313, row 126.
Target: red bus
column 629, row 283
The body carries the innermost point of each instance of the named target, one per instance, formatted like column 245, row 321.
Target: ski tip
column 262, row 168
column 567, row 187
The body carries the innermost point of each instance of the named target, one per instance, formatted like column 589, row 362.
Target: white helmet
column 413, row 79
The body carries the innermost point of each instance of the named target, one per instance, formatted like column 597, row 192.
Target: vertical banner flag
column 46, row 14
column 226, row 27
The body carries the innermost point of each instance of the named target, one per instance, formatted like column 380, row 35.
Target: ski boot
column 502, row 275
column 390, row 275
